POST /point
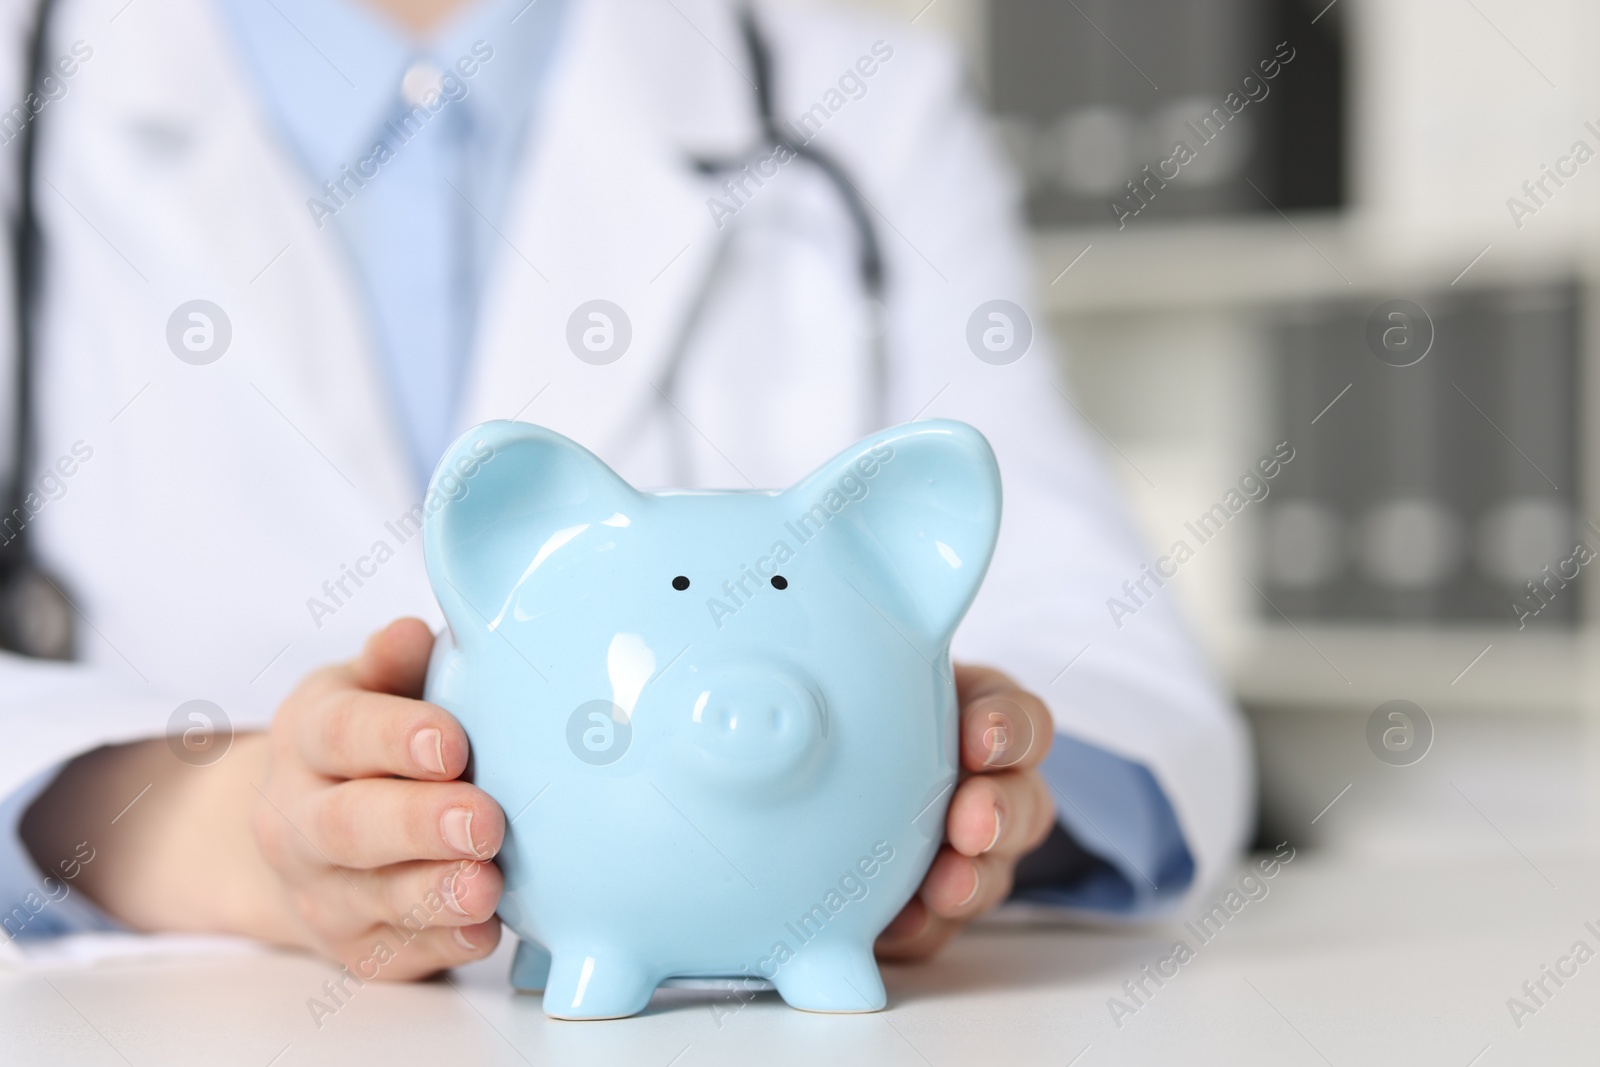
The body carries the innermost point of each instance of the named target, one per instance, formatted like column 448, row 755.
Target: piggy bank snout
column 755, row 724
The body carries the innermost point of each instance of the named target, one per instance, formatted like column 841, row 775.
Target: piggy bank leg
column 609, row 986
column 832, row 978
column 531, row 967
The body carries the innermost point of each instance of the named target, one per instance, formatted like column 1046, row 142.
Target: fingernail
column 457, row 828
column 976, row 881
column 1008, row 738
column 427, row 748
column 995, row 738
column 463, row 940
column 995, row 840
column 452, row 880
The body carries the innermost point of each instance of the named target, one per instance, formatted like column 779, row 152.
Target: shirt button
column 422, row 82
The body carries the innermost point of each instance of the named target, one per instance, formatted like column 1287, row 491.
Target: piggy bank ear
column 505, row 496
column 922, row 501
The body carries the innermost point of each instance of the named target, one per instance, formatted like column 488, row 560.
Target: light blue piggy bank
column 722, row 724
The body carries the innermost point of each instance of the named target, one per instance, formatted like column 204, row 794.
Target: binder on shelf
column 1440, row 491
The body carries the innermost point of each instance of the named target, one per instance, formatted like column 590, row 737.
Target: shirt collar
column 330, row 70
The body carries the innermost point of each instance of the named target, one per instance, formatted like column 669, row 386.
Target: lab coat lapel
column 230, row 221
column 611, row 209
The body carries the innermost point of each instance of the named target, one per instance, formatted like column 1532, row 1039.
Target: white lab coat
column 220, row 498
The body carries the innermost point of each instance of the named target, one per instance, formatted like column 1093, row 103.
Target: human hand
column 1001, row 810
column 363, row 820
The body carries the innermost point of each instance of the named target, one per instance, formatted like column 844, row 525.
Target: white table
column 1347, row 961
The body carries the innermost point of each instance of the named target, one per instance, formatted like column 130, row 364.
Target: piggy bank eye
column 779, row 582
column 680, row 583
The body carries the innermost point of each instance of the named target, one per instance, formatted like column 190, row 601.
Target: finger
column 1002, row 726
column 395, row 659
column 352, row 733
column 963, row 887
column 414, row 895
column 395, row 954
column 430, row 893
column 1002, row 814
column 373, row 822
column 915, row 934
column 974, row 680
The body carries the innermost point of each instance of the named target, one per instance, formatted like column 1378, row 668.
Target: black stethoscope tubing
column 869, row 262
column 36, row 616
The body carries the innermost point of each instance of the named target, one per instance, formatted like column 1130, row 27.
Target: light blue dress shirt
column 411, row 149
column 1115, row 811
column 418, row 191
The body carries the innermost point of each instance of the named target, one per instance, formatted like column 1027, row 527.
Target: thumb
column 395, row 659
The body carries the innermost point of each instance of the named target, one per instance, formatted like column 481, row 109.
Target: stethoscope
column 662, row 403
column 36, row 614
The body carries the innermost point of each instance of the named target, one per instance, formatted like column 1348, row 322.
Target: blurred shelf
column 1361, row 666
column 1263, row 260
